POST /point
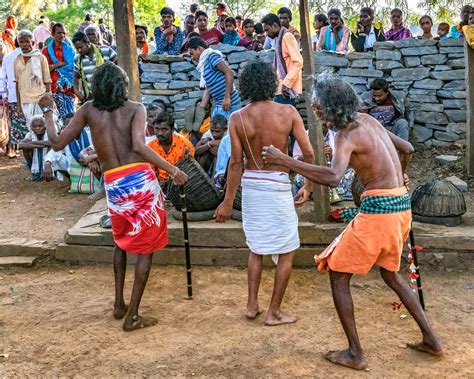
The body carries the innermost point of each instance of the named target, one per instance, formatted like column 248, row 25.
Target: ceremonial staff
column 187, row 253
column 414, row 268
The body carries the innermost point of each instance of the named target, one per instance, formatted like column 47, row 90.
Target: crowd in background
column 50, row 59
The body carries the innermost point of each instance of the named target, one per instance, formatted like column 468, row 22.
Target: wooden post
column 469, row 54
column 126, row 44
column 320, row 193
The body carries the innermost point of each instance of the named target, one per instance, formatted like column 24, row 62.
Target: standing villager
column 426, row 25
column 320, row 21
column 60, row 55
column 87, row 60
column 41, row 33
column 269, row 218
column 285, row 16
column 9, row 34
column 18, row 127
column 456, row 30
column 210, row 36
column 216, row 77
column 134, row 197
column 93, row 35
column 397, row 32
column 88, row 21
column 288, row 61
column 168, row 37
column 380, row 159
column 368, row 31
column 32, row 77
column 105, row 33
column 335, row 36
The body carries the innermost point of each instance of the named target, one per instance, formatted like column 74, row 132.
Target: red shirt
column 212, row 36
column 58, row 51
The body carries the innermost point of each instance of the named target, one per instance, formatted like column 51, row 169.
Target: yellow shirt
column 468, row 31
column 31, row 90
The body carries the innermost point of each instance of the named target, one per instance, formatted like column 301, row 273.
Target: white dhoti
column 269, row 217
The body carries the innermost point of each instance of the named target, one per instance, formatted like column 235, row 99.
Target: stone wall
column 431, row 74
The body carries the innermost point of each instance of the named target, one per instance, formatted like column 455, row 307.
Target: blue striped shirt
column 215, row 81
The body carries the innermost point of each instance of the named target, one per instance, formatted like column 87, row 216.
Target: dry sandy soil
column 57, row 322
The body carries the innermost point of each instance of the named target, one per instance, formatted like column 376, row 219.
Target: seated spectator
column 212, row 36
column 197, row 122
column 285, row 16
column 152, row 112
column 168, row 37
column 320, row 21
column 93, row 35
column 426, row 24
column 89, row 57
column 189, row 24
column 388, row 107
column 231, row 37
column 240, row 30
column 443, row 31
column 168, row 145
column 456, row 30
column 208, row 146
column 335, row 36
column 260, row 34
column 397, row 32
column 368, row 31
column 35, row 146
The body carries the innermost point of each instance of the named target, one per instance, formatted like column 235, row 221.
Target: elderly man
column 32, row 77
column 397, row 32
column 168, row 37
column 388, row 107
column 216, row 76
column 87, row 60
column 288, row 62
column 456, row 30
column 60, row 56
column 93, row 35
column 380, row 159
column 368, row 32
column 269, row 218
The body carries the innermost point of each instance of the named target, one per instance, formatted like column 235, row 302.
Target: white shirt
column 370, row 38
column 7, row 76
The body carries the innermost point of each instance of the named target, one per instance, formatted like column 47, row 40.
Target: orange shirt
column 175, row 154
column 294, row 65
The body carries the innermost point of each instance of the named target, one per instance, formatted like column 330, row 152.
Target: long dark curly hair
column 257, row 82
column 109, row 87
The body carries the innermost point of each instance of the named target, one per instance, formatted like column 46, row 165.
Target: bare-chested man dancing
column 134, row 196
column 376, row 235
column 269, row 218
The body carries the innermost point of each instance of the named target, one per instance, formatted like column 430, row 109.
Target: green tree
column 244, row 8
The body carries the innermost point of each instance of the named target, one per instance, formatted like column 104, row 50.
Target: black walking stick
column 414, row 268
column 187, row 253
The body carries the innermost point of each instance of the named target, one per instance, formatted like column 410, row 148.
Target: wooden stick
column 187, row 252
column 417, row 269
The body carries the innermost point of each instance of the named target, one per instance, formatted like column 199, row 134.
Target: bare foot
column 346, row 358
column 100, row 194
column 120, row 311
column 433, row 349
column 139, row 322
column 279, row 319
column 252, row 313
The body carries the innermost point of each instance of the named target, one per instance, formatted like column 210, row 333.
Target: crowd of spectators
column 49, row 59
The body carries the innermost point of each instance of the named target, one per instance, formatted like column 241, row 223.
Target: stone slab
column 449, row 42
column 451, row 50
column 354, row 55
column 418, row 51
column 17, row 261
column 456, row 115
column 361, row 73
column 25, row 247
column 434, row 59
column 445, row 136
column 414, row 43
column 333, row 60
column 454, row 103
column 362, row 63
column 460, row 184
column 450, row 94
column 457, row 63
column 383, row 45
column 155, row 76
column 241, row 57
column 387, row 65
column 155, row 67
column 411, row 61
column 447, row 160
column 388, row 55
column 181, row 67
column 431, row 117
column 404, row 74
column 428, row 84
column 448, row 75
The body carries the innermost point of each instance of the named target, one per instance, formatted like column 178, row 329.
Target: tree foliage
column 244, row 8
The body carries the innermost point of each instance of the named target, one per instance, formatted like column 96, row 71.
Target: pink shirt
column 41, row 33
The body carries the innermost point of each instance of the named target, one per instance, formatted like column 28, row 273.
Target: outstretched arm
column 147, row 154
column 329, row 176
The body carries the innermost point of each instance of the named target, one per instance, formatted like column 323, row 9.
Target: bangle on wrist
column 175, row 173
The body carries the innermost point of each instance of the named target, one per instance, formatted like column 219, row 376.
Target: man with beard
column 168, row 37
column 368, row 32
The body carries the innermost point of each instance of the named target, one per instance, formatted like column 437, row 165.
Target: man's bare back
column 267, row 123
column 111, row 133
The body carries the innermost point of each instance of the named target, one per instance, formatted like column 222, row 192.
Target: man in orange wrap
column 134, row 197
column 378, row 231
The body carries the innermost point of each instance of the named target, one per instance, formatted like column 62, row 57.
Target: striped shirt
column 215, row 81
column 90, row 64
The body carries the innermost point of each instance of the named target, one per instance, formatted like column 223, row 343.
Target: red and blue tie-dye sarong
column 136, row 208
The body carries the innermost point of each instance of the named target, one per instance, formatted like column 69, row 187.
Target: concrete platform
column 224, row 244
column 17, row 261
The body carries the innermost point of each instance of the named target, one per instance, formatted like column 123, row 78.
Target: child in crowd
column 248, row 38
column 259, row 34
column 443, row 30
column 35, row 146
column 208, row 146
column 231, row 36
column 320, row 21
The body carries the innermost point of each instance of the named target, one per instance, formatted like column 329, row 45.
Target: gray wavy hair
column 25, row 34
column 338, row 100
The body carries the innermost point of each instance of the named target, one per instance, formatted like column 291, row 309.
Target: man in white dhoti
column 269, row 218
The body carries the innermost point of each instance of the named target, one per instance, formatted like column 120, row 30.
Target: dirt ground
column 36, row 210
column 57, row 322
